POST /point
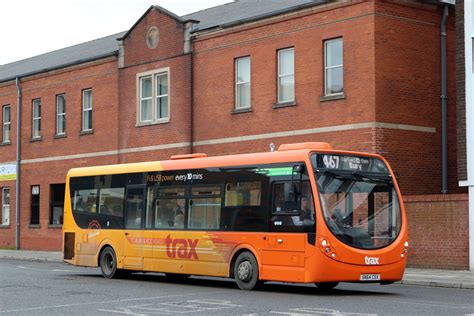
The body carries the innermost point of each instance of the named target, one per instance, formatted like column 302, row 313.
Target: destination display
column 350, row 163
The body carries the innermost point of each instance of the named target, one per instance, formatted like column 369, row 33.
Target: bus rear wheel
column 108, row 263
column 325, row 286
column 246, row 271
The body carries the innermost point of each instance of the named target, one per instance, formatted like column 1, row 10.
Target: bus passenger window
column 85, row 200
column 243, row 210
column 243, row 193
column 112, row 201
column 205, row 208
column 205, row 213
column 169, row 213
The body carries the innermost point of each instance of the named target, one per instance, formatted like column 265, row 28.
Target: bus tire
column 108, row 263
column 246, row 271
column 326, row 286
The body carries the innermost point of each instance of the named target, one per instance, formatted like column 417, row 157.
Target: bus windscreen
column 358, row 199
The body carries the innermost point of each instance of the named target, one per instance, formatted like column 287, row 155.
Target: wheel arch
column 104, row 244
column 240, row 249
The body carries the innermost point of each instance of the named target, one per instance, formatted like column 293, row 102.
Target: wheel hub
column 244, row 271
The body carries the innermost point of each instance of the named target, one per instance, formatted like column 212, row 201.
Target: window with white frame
column 286, row 75
column 6, row 123
column 161, row 81
column 36, row 124
column 333, row 67
column 5, row 206
column 153, row 95
column 87, row 110
column 242, row 83
column 146, row 99
column 60, row 114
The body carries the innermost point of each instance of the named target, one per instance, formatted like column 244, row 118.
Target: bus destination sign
column 344, row 162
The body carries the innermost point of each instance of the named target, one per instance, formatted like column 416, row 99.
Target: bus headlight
column 326, row 248
column 405, row 249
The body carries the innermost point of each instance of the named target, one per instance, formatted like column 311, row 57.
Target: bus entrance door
column 133, row 241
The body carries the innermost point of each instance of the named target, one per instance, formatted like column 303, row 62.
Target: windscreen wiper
column 385, row 179
column 333, row 173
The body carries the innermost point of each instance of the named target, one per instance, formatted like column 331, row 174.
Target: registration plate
column 370, row 277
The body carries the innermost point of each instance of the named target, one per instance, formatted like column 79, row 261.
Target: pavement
column 413, row 276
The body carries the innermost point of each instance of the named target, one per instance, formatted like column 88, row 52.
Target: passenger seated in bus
column 179, row 220
column 92, row 207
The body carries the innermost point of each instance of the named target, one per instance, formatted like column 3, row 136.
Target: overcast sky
column 32, row 27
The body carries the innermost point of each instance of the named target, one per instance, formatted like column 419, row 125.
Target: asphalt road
column 39, row 288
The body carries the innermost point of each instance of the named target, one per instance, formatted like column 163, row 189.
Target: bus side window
column 285, row 198
column 204, row 210
column 243, row 210
column 293, row 207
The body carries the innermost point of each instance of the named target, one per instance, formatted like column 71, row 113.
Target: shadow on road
column 272, row 287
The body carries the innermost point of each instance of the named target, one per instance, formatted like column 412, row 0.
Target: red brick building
column 362, row 75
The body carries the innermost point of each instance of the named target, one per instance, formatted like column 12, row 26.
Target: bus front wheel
column 108, row 263
column 246, row 271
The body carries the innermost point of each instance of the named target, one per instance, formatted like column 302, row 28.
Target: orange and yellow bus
column 304, row 213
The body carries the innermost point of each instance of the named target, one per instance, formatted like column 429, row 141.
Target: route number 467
column 331, row 162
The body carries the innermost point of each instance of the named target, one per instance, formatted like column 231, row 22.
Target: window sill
column 238, row 111
column 332, row 97
column 60, row 136
column 55, row 226
column 36, row 139
column 144, row 124
column 4, row 226
column 34, row 226
column 5, row 144
column 88, row 132
column 284, row 104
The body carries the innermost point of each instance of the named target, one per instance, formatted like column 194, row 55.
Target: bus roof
column 285, row 153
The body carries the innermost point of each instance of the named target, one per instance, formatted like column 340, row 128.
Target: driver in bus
column 306, row 214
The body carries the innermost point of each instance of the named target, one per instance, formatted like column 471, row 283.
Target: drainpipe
column 18, row 161
column 444, row 97
column 188, row 49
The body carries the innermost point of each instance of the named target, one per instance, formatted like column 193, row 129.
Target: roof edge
column 74, row 63
column 264, row 16
column 160, row 9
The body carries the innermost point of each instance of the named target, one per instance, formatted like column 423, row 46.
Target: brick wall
column 214, row 74
column 408, row 89
column 102, row 78
column 438, row 231
column 139, row 59
column 170, row 40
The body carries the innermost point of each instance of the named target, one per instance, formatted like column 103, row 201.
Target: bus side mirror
column 300, row 168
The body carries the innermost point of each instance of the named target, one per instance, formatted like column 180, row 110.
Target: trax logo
column 371, row 260
column 183, row 248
